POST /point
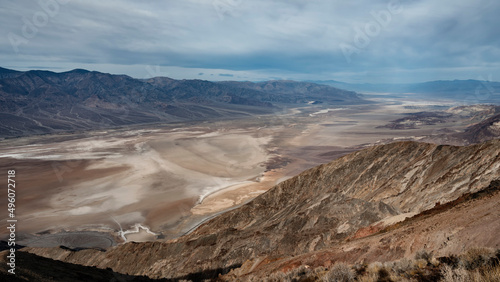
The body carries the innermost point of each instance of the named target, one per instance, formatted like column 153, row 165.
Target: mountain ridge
column 318, row 209
column 41, row 102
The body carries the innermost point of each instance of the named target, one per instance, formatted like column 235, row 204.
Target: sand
column 236, row 195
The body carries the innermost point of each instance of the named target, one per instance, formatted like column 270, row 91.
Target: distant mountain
column 470, row 91
column 343, row 210
column 287, row 91
column 6, row 73
column 37, row 102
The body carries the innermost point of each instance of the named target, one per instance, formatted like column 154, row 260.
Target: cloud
column 258, row 39
column 226, row 74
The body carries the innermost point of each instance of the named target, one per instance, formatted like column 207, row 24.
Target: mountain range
column 468, row 91
column 379, row 204
column 40, row 102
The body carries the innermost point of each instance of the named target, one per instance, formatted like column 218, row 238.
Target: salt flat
column 139, row 175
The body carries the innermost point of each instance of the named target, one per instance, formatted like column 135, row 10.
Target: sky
column 356, row 41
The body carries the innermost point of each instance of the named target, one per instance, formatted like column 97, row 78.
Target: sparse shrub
column 368, row 277
column 476, row 257
column 360, row 268
column 374, row 267
column 435, row 262
column 299, row 274
column 373, row 272
column 380, row 273
column 383, row 275
column 451, row 260
column 475, row 265
column 402, row 266
column 420, row 263
column 423, row 254
column 455, row 275
column 340, row 272
column 492, row 273
column 476, row 276
column 277, row 276
column 320, row 270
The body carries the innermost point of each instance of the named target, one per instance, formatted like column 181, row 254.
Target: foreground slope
column 470, row 222
column 31, row 267
column 316, row 210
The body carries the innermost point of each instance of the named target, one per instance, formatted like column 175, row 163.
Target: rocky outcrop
column 471, row 221
column 316, row 210
column 482, row 131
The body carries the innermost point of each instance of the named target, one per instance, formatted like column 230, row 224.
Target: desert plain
column 159, row 181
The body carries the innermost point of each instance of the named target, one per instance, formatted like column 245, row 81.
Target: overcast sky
column 352, row 41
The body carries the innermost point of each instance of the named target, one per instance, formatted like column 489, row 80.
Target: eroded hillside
column 319, row 209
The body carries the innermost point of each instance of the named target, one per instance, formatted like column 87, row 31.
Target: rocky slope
column 30, row 267
column 481, row 123
column 485, row 130
column 470, row 222
column 316, row 210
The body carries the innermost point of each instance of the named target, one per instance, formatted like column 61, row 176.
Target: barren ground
column 170, row 178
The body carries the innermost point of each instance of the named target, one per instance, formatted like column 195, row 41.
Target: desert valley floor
column 157, row 182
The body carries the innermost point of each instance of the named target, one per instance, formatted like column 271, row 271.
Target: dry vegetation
column 478, row 265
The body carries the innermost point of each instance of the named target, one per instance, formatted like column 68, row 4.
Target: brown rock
column 312, row 214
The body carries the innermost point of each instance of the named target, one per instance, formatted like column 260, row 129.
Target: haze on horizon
column 389, row 41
